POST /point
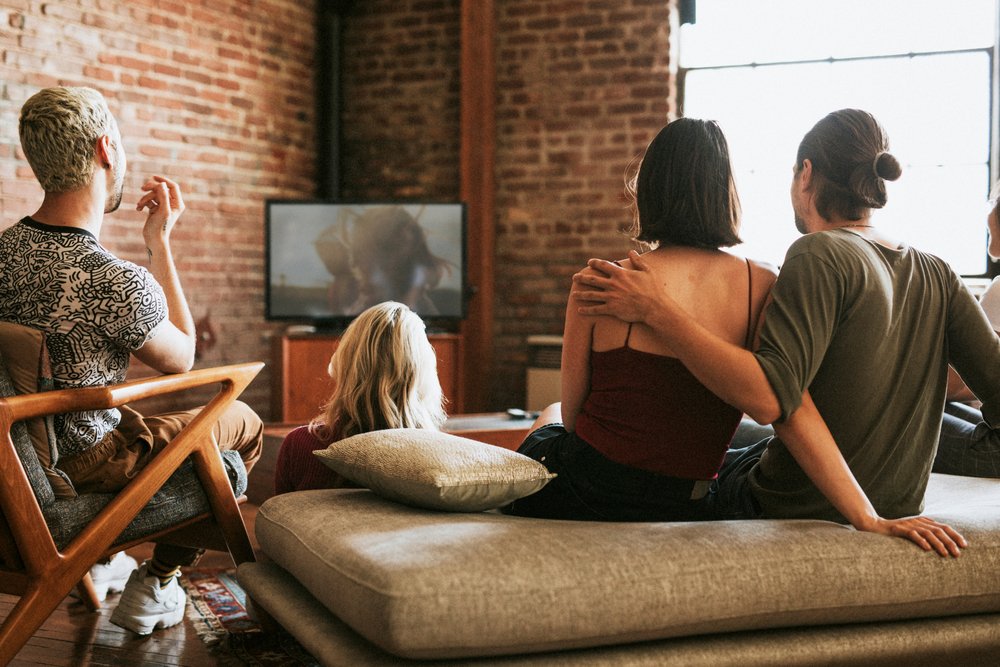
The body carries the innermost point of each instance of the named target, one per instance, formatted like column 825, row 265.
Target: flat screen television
column 326, row 262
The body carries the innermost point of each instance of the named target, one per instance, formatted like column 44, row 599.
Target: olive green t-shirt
column 870, row 331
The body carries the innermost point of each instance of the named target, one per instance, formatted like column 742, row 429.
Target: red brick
column 154, row 50
column 164, row 21
column 153, row 82
column 230, row 54
column 99, row 73
column 166, row 70
column 227, row 84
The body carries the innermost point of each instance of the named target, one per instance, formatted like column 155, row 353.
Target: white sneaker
column 144, row 606
column 111, row 577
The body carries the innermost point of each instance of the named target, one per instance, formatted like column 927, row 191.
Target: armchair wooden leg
column 224, row 506
column 234, row 531
column 85, row 589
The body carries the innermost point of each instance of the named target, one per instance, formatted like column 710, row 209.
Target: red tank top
column 648, row 411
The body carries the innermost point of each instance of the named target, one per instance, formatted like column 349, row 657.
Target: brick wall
column 400, row 86
column 582, row 86
column 217, row 94
column 220, row 94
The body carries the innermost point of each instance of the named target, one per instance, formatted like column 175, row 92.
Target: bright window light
column 927, row 80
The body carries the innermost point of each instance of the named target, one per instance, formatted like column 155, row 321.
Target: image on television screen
column 330, row 261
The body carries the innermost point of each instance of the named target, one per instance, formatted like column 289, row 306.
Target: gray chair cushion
column 180, row 498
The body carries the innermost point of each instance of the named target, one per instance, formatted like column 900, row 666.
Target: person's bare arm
column 728, row 370
column 578, row 334
column 810, row 442
column 171, row 350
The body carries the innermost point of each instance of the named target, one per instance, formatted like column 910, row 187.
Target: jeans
column 590, row 487
column 967, row 446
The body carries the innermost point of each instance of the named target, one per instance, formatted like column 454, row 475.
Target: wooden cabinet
column 302, row 383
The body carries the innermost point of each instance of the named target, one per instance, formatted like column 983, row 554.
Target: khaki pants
column 112, row 463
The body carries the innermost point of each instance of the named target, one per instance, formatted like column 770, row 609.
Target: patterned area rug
column 217, row 609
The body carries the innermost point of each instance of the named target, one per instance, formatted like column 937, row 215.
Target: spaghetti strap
column 628, row 335
column 749, row 338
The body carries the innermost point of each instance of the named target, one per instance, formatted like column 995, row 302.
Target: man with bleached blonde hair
column 58, row 140
column 95, row 311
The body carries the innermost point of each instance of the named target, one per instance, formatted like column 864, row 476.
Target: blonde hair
column 59, row 129
column 385, row 376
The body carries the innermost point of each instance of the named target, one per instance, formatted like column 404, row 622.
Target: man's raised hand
column 165, row 204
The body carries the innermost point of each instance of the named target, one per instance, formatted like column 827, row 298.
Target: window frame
column 686, row 13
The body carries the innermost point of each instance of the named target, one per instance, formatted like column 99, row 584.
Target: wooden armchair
column 49, row 543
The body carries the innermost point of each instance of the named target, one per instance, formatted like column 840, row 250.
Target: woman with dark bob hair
column 637, row 437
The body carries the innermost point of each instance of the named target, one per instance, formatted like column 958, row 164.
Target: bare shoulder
column 764, row 271
column 764, row 276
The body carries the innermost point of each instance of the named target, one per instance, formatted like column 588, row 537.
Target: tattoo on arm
column 149, row 253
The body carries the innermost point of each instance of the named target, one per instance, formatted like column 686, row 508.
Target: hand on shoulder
column 607, row 288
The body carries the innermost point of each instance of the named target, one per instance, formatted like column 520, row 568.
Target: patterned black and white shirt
column 94, row 308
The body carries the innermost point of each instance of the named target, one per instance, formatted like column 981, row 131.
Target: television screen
column 328, row 261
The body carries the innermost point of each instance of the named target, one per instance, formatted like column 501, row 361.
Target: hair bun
column 887, row 166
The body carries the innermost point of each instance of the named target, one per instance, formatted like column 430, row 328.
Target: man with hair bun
column 95, row 312
column 864, row 322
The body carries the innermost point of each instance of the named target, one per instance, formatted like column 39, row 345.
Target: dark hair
column 851, row 163
column 683, row 192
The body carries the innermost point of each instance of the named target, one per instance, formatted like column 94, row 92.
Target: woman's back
column 722, row 292
column 643, row 407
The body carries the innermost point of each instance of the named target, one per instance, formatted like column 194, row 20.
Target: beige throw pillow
column 435, row 470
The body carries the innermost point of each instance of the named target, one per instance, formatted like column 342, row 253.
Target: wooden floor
column 74, row 636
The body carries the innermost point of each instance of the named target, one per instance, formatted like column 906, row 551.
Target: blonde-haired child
column 384, row 374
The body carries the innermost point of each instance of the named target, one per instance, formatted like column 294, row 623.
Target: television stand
column 301, row 384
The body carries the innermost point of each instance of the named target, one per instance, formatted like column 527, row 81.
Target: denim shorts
column 590, row 487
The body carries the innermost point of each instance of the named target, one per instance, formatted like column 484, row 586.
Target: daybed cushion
column 426, row 584
column 956, row 640
column 435, row 470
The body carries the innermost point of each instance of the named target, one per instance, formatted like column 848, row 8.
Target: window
column 767, row 70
